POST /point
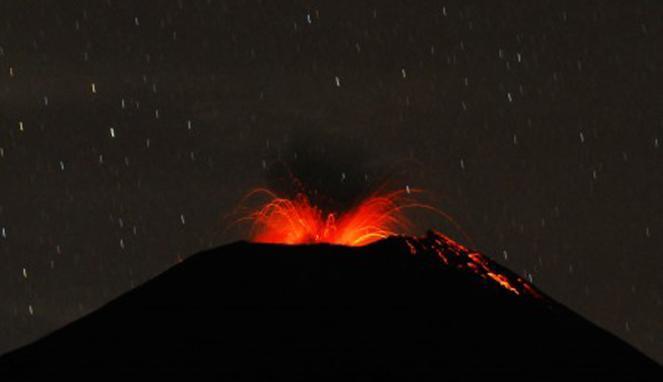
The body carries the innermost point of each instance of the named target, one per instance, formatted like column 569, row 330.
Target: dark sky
column 130, row 130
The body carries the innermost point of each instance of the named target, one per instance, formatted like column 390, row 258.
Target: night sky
column 130, row 132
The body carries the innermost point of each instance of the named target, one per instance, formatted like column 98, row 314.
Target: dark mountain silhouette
column 402, row 307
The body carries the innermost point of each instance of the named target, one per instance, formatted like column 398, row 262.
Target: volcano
column 405, row 307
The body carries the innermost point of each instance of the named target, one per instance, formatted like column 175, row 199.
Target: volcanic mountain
column 411, row 308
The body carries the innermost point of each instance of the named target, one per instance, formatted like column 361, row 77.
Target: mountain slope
column 405, row 307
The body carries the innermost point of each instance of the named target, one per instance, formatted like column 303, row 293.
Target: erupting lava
column 297, row 221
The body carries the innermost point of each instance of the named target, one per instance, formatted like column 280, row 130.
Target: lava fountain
column 298, row 221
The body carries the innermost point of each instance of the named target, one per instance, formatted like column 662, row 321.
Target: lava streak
column 297, row 221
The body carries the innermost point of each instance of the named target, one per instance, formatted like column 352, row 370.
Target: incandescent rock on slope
column 414, row 308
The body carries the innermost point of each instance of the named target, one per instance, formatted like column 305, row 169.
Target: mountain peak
column 409, row 307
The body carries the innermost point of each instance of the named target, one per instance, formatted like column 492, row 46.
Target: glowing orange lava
column 297, row 221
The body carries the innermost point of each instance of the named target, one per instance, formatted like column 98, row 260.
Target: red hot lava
column 297, row 221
